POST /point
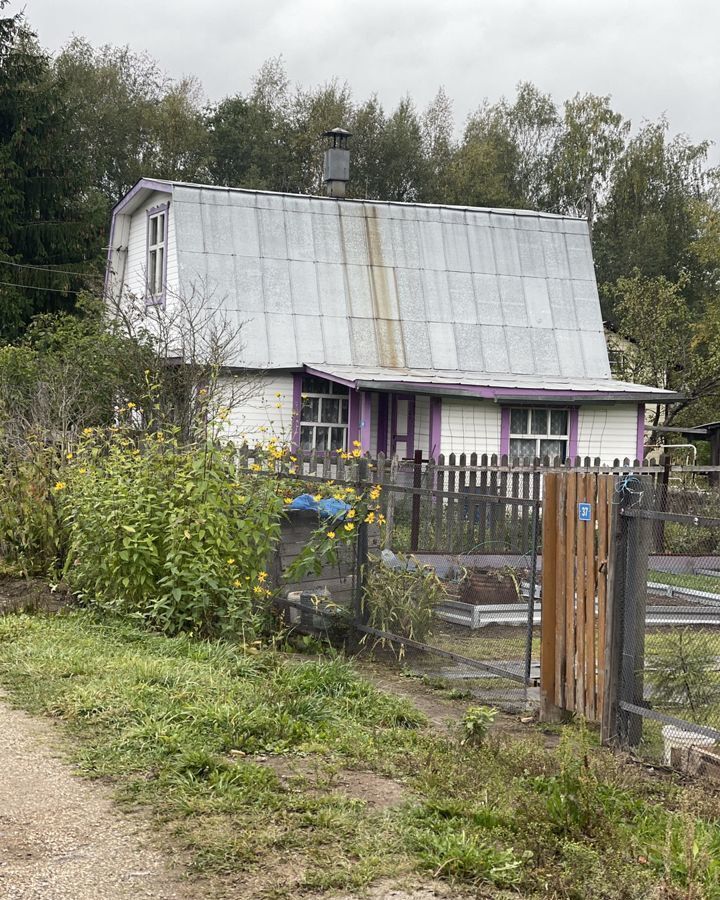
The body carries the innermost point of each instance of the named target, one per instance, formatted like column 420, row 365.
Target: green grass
column 707, row 583
column 179, row 724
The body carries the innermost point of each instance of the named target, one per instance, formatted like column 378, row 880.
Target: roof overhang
column 139, row 193
column 495, row 388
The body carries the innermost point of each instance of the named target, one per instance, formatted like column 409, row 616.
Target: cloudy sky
column 653, row 56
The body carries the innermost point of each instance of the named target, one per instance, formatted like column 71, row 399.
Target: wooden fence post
column 549, row 711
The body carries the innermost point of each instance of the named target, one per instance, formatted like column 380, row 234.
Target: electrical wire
column 16, row 265
column 34, row 287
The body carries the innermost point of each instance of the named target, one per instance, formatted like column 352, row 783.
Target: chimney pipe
column 336, row 163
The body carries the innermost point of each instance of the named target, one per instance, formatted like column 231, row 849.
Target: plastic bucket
column 674, row 738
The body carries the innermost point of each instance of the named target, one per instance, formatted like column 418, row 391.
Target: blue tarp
column 328, row 507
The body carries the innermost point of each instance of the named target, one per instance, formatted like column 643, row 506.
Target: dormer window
column 156, row 254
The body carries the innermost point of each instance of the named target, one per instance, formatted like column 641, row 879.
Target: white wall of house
column 262, row 408
column 136, row 265
column 469, row 426
column 609, row 432
column 422, row 423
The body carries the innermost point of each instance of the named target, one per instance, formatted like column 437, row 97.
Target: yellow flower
column 351, row 514
column 293, row 459
column 357, row 454
column 262, row 576
column 131, row 406
column 231, row 562
column 87, row 431
column 187, row 535
column 287, row 500
column 349, row 526
column 258, row 590
column 278, row 406
column 255, row 467
column 331, row 534
column 278, row 395
column 202, row 392
column 381, row 519
column 82, row 471
column 357, row 444
column 370, row 518
column 317, row 498
column 68, row 456
column 375, row 492
column 237, row 583
column 60, row 485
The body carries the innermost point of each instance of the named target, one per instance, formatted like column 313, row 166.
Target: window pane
column 310, row 408
column 553, row 449
column 538, row 421
column 151, row 271
column 330, row 411
column 306, row 437
column 522, row 449
column 337, row 438
column 161, row 228
column 153, row 230
column 321, row 438
column 312, row 385
column 159, row 271
column 518, row 421
column 344, row 411
column 559, row 421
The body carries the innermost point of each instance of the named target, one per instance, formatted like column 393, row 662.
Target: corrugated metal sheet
column 394, row 285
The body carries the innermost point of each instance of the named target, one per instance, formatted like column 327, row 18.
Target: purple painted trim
column 410, row 441
column 365, row 421
column 318, row 373
column 145, row 184
column 157, row 299
column 505, row 431
column 640, row 442
column 296, row 410
column 435, row 427
column 353, row 417
column 382, row 429
column 574, row 416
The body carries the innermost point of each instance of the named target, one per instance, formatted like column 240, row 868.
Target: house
column 402, row 326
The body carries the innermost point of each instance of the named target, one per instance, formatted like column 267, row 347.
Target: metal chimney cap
column 339, row 137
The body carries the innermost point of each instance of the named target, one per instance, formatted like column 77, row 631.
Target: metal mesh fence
column 669, row 679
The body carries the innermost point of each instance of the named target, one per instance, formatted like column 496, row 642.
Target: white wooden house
column 401, row 326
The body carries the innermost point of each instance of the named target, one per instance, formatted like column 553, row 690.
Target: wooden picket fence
column 576, row 562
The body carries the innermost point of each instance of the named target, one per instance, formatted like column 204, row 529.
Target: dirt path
column 61, row 838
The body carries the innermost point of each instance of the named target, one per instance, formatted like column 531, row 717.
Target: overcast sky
column 652, row 56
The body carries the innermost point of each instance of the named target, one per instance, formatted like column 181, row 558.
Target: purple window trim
column 435, row 427
column 640, row 439
column 573, row 432
column 365, row 421
column 505, row 431
column 318, row 373
column 296, row 410
column 382, row 429
column 157, row 299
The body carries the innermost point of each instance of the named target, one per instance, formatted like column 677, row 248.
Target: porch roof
column 493, row 387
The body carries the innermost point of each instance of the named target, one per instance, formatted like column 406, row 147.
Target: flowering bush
column 170, row 533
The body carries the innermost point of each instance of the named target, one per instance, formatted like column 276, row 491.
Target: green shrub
column 168, row 534
column 402, row 600
column 682, row 671
column 476, row 723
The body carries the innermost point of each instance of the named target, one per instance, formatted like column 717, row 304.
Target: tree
column 50, row 229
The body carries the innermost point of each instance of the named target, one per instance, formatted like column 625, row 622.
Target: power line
column 33, row 287
column 7, row 262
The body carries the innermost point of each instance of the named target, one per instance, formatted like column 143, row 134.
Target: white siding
column 263, row 408
column 609, row 432
column 422, row 423
column 137, row 248
column 373, row 423
column 469, row 426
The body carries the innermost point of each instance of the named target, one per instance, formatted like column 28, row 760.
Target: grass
column 185, row 729
column 708, row 583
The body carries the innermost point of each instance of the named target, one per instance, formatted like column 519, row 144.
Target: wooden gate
column 577, row 521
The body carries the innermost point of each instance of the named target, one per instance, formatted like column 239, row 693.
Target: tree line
column 78, row 129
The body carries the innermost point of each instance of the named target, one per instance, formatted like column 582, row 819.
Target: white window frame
column 538, row 436
column 335, row 392
column 156, row 255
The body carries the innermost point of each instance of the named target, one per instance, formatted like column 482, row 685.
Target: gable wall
column 137, row 248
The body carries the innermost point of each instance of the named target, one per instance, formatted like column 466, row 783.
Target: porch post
column 296, row 411
column 382, row 428
column 353, row 417
column 505, row 431
column 365, row 420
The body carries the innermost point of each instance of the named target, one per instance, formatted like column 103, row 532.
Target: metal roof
column 385, row 286
column 490, row 386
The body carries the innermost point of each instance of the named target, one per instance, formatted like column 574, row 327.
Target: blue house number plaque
column 584, row 512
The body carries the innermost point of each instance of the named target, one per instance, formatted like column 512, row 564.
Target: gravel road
column 61, row 838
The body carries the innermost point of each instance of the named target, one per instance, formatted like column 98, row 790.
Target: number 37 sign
column 585, row 512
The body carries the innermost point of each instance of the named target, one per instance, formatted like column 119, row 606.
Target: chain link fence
column 669, row 656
